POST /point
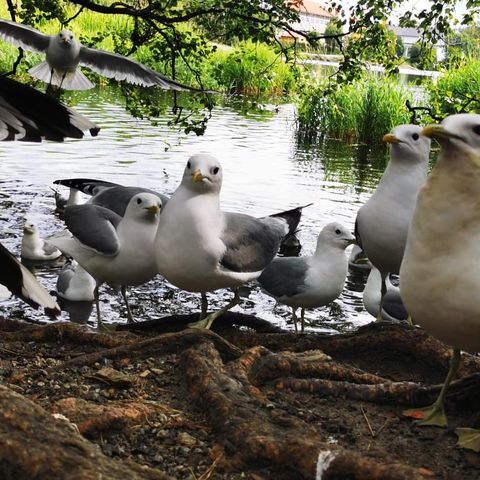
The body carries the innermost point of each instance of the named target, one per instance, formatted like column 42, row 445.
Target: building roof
column 406, row 31
column 309, row 7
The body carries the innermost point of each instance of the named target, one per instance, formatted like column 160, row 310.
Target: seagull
column 313, row 281
column 199, row 248
column 36, row 248
column 113, row 249
column 358, row 260
column 64, row 53
column 439, row 277
column 106, row 194
column 382, row 223
column 21, row 283
column 393, row 309
column 74, row 198
column 75, row 284
column 29, row 115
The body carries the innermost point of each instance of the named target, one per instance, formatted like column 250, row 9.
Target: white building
column 313, row 18
column 410, row 36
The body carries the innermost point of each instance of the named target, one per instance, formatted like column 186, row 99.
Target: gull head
column 459, row 131
column 203, row 173
column 335, row 235
column 408, row 143
column 66, row 39
column 144, row 206
column 29, row 228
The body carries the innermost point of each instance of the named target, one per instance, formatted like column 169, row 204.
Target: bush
column 363, row 111
column 458, row 90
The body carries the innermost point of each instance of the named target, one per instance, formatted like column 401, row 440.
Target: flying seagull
column 113, row 249
column 313, row 281
column 199, row 248
column 439, row 279
column 29, row 115
column 382, row 223
column 64, row 53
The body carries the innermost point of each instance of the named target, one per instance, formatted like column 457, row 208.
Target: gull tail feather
column 70, row 81
column 89, row 186
column 292, row 217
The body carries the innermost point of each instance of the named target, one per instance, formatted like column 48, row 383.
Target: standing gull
column 439, row 278
column 199, row 248
column 113, row 249
column 29, row 115
column 64, row 53
column 314, row 281
column 382, row 223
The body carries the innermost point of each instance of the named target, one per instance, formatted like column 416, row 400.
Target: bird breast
column 62, row 58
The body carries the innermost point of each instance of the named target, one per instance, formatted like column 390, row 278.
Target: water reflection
column 267, row 168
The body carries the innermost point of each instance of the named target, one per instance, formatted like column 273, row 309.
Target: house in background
column 410, row 36
column 313, row 18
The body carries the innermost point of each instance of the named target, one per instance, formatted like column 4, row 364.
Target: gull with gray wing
column 382, row 223
column 113, row 249
column 200, row 248
column 314, row 281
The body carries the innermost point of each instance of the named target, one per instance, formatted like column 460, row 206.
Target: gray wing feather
column 251, row 243
column 48, row 248
column 23, row 36
column 117, row 198
column 284, row 277
column 94, row 227
column 117, row 66
column 394, row 307
column 63, row 281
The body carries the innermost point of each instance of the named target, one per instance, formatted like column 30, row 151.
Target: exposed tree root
column 382, row 336
column 253, row 433
column 35, row 445
column 161, row 344
column 175, row 323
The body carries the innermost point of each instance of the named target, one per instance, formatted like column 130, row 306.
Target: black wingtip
column 292, row 217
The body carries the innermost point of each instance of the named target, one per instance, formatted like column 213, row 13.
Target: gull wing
column 119, row 67
column 23, row 36
column 95, row 227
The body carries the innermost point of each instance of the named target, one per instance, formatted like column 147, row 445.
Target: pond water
column 267, row 168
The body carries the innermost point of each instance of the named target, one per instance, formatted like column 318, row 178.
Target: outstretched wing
column 117, row 66
column 23, row 36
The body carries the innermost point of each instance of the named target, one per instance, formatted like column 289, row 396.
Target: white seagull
column 75, row 284
column 439, row 277
column 313, row 281
column 382, row 223
column 36, row 248
column 64, row 54
column 199, row 248
column 113, row 249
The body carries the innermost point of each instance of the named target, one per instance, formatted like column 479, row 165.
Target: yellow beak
column 390, row 138
column 154, row 209
column 197, row 176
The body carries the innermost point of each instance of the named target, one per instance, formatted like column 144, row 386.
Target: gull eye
column 189, row 165
column 415, row 136
column 215, row 170
column 338, row 231
column 476, row 129
column 139, row 201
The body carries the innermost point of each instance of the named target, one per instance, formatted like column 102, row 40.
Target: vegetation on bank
column 359, row 112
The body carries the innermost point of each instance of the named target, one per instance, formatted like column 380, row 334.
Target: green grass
column 361, row 112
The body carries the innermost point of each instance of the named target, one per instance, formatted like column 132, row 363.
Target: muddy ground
column 151, row 403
